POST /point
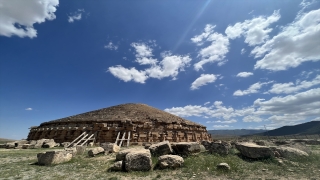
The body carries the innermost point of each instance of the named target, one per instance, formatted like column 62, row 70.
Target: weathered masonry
column 145, row 124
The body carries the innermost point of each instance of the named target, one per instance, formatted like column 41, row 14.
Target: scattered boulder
column 25, row 146
column 117, row 166
column 289, row 152
column 110, row 148
column 186, row 148
column 2, row 146
column 77, row 150
column 223, row 166
column 10, row 145
column 53, row 157
column 254, row 151
column 170, row 161
column 122, row 154
column 146, row 145
column 161, row 148
column 90, row 144
column 138, row 160
column 65, row 144
column 221, row 148
column 49, row 144
column 95, row 151
column 206, row 144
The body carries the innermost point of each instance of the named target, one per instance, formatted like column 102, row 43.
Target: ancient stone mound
column 145, row 124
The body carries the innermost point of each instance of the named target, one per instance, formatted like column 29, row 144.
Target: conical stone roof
column 129, row 112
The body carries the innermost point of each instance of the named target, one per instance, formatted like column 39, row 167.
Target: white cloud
column 206, row 103
column 298, row 42
column 215, row 52
column 223, row 121
column 244, row 74
column 111, row 46
column 287, row 88
column 126, row 75
column 254, row 88
column 200, row 39
column 221, row 126
column 251, row 118
column 277, row 111
column 243, row 51
column 169, row 66
column 18, row 17
column 255, row 30
column 75, row 16
column 28, row 109
column 204, row 79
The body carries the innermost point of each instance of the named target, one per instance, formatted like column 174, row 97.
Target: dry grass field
column 21, row 164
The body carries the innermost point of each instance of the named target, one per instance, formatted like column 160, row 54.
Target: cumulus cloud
column 277, row 111
column 215, row 52
column 76, row 16
column 243, row 51
column 287, row 88
column 204, row 79
column 126, row 75
column 254, row 88
column 18, row 17
column 298, row 42
column 28, row 109
column 169, row 66
column 255, row 30
column 111, row 46
column 223, row 121
column 221, row 126
column 244, row 74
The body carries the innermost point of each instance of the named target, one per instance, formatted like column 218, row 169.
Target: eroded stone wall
column 108, row 131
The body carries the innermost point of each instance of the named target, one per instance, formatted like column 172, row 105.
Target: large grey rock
column 221, row 148
column 95, row 151
column 161, row 148
column 170, row 161
column 49, row 144
column 77, row 150
column 122, row 154
column 110, row 148
column 117, row 166
column 25, row 146
column 2, row 145
column 289, row 152
column 138, row 160
column 186, row 148
column 206, row 144
column 53, row 157
column 10, row 145
column 254, row 151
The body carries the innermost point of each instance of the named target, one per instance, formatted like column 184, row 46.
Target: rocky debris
column 34, row 144
column 223, row 166
column 2, row 145
column 49, row 144
column 122, row 154
column 53, row 157
column 138, row 160
column 117, row 166
column 186, row 148
column 146, row 145
column 95, row 151
column 288, row 152
column 26, row 146
column 90, row 144
column 221, row 148
column 254, row 151
column 65, row 144
column 10, row 145
column 307, row 141
column 206, row 144
column 170, row 161
column 161, row 148
column 110, row 148
column 77, row 150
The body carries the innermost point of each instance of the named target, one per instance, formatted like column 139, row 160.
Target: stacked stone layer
column 145, row 123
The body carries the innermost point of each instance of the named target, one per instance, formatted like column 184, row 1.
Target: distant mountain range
column 235, row 132
column 312, row 127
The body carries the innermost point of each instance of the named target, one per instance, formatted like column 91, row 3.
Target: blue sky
column 223, row 64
